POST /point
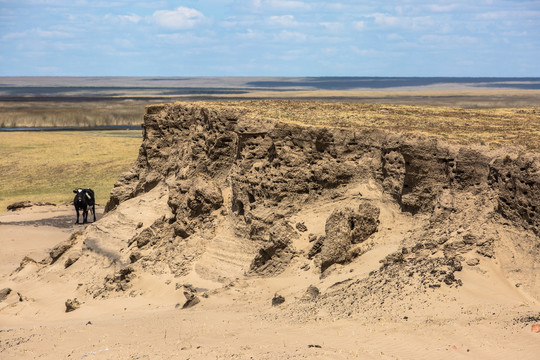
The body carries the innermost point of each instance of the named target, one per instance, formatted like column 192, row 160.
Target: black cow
column 84, row 200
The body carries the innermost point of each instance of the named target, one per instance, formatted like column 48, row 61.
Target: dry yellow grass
column 83, row 114
column 490, row 126
column 121, row 110
column 470, row 98
column 47, row 166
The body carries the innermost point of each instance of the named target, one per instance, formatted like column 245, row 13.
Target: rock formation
column 268, row 170
column 222, row 194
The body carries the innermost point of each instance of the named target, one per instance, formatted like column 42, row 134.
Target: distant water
column 376, row 83
column 109, row 88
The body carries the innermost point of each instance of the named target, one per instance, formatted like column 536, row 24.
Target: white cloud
column 421, row 22
column 442, row 8
column 288, row 4
column 411, row 23
column 50, row 34
column 284, row 20
column 323, row 39
column 448, row 40
column 291, row 54
column 394, row 37
column 288, row 36
column 515, row 33
column 183, row 38
column 359, row 25
column 65, row 46
column 124, row 43
column 37, row 32
column 230, row 22
column 250, row 34
column 150, row 4
column 330, row 51
column 509, row 15
column 334, row 6
column 280, row 5
column 241, row 22
column 491, row 15
column 180, row 18
column 364, row 52
column 133, row 18
column 122, row 19
column 333, row 27
column 386, row 20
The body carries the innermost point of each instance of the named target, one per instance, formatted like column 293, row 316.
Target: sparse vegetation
column 47, row 166
column 489, row 126
column 83, row 114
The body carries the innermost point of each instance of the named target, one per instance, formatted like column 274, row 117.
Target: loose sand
column 237, row 321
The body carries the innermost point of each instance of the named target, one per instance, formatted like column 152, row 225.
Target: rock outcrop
column 344, row 228
column 195, row 149
column 259, row 172
column 219, row 193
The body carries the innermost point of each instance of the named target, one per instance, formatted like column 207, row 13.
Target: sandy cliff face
column 216, row 196
column 286, row 241
column 256, row 178
column 269, row 161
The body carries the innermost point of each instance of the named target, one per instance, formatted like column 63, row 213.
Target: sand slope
column 238, row 321
column 476, row 321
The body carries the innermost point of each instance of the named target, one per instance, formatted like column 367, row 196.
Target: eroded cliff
column 217, row 195
column 259, row 175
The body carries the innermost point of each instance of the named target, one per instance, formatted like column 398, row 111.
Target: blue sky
column 269, row 38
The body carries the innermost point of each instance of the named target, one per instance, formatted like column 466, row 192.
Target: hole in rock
column 251, row 198
column 239, row 207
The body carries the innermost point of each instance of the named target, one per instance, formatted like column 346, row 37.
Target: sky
column 470, row 38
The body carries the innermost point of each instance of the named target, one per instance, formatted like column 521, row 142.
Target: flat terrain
column 47, row 166
column 80, row 101
column 491, row 126
column 63, row 113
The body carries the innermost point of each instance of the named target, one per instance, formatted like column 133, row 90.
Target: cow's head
column 79, row 196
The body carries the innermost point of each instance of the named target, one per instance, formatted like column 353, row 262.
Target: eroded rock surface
column 232, row 193
column 344, row 228
column 266, row 169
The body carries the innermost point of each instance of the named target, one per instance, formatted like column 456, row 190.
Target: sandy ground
column 237, row 320
column 33, row 231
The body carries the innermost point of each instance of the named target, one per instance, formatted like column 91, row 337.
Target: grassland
column 63, row 113
column 128, row 108
column 47, row 166
column 515, row 120
column 474, row 99
column 495, row 127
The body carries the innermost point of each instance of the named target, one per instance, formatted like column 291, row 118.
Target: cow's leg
column 85, row 216
column 94, row 211
column 77, row 210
